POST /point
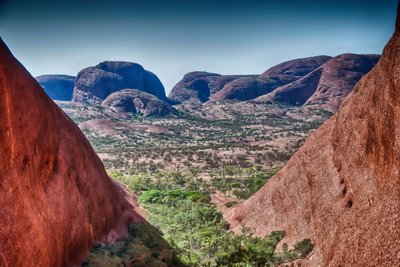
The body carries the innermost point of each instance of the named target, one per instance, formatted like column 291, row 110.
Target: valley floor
column 189, row 167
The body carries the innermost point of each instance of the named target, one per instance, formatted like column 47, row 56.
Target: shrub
column 170, row 196
column 304, row 247
column 231, row 204
column 144, row 247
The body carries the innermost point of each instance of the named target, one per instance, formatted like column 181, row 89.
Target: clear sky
column 173, row 37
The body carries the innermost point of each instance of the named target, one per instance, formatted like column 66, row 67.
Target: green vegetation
column 239, row 182
column 242, row 182
column 199, row 235
column 304, row 247
column 197, row 232
column 145, row 247
column 171, row 197
column 175, row 170
column 231, row 204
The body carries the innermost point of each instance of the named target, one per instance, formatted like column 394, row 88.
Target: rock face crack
column 8, row 117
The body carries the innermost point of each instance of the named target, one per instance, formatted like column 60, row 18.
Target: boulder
column 137, row 102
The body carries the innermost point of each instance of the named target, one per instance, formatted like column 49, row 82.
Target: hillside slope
column 327, row 86
column 341, row 189
column 56, row 198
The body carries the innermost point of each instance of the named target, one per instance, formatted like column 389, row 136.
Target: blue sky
column 173, row 37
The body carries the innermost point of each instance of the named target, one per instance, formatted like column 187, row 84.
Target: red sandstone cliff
column 56, row 198
column 342, row 188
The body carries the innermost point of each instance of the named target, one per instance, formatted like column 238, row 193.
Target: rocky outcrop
column 137, row 102
column 98, row 82
column 328, row 85
column 293, row 70
column 57, row 86
column 341, row 189
column 199, row 86
column 338, row 79
column 320, row 81
column 195, row 86
column 251, row 87
column 56, row 198
column 244, row 89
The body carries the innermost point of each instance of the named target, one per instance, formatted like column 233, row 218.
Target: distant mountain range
column 320, row 81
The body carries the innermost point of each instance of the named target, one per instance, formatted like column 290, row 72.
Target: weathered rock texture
column 320, row 81
column 248, row 88
column 56, row 198
column 57, row 86
column 292, row 70
column 96, row 83
column 328, row 85
column 338, row 78
column 199, row 86
column 244, row 89
column 138, row 102
column 342, row 188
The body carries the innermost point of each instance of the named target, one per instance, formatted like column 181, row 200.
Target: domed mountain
column 56, row 198
column 248, row 88
column 137, row 102
column 243, row 89
column 98, row 82
column 198, row 86
column 57, row 86
column 341, row 189
column 328, row 85
column 338, row 79
column 292, row 70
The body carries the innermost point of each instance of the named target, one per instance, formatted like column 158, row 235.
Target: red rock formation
column 248, row 88
column 342, row 188
column 293, row 70
column 327, row 86
column 95, row 83
column 339, row 75
column 137, row 102
column 200, row 86
column 56, row 198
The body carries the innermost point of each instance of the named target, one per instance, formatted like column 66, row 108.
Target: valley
column 195, row 156
column 195, row 163
column 291, row 165
column 197, row 142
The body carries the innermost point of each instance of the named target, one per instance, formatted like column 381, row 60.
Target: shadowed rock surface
column 199, row 86
column 138, row 102
column 244, row 89
column 292, row 70
column 284, row 73
column 56, row 198
column 338, row 79
column 96, row 83
column 341, row 189
column 328, row 85
column 57, row 86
